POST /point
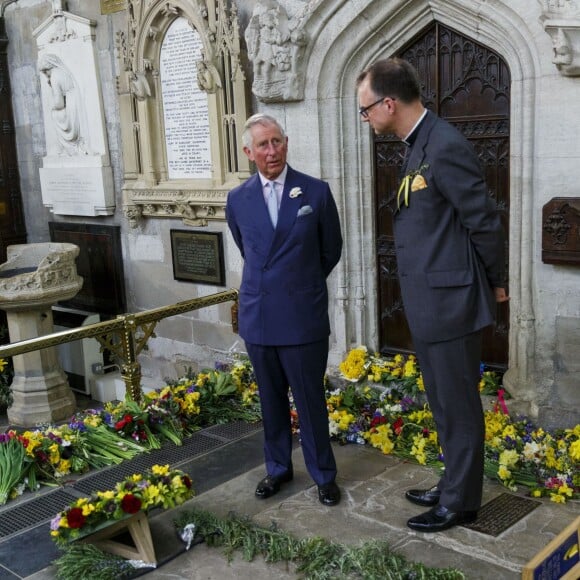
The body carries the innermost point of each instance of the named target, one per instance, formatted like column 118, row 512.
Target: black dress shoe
column 329, row 494
column 270, row 485
column 426, row 497
column 440, row 518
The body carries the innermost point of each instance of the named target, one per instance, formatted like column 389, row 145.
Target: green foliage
column 316, row 558
column 220, row 402
column 87, row 561
column 12, row 465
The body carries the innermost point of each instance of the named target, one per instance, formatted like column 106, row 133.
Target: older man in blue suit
column 286, row 225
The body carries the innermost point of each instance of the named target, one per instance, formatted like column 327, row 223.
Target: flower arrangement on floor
column 384, row 405
column 312, row 557
column 97, row 438
column 160, row 487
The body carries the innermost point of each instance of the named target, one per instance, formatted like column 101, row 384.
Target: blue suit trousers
column 301, row 368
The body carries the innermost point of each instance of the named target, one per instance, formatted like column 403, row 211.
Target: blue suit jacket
column 449, row 239
column 283, row 296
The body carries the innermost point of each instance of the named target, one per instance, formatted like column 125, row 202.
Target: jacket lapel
column 416, row 158
column 255, row 204
column 288, row 209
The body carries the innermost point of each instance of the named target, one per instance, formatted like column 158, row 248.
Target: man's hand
column 500, row 295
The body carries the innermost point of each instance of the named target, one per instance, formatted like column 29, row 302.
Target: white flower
column 333, row 427
column 295, row 192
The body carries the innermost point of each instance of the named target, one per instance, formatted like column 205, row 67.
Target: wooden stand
column 560, row 559
column 138, row 527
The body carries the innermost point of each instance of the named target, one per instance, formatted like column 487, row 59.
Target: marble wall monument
column 76, row 177
column 183, row 104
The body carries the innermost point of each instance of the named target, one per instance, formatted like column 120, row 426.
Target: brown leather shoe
column 425, row 497
column 270, row 485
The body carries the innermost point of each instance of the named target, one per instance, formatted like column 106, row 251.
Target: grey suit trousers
column 451, row 374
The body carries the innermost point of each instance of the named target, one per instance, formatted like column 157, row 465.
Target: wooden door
column 468, row 85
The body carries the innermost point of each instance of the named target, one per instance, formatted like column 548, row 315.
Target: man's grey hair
column 259, row 119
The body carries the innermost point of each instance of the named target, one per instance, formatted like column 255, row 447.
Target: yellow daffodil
column 574, row 450
column 160, row 469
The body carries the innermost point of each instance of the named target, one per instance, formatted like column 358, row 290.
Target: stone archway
column 346, row 154
column 469, row 85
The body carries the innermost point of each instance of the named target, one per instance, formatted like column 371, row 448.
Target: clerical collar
column 410, row 138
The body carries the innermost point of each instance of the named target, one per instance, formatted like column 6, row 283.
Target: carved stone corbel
column 561, row 20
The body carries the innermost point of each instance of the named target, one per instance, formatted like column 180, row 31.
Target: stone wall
column 326, row 139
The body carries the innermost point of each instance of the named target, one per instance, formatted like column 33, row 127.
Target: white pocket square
column 304, row 210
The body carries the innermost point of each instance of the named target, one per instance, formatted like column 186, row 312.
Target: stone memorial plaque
column 198, row 257
column 110, row 6
column 86, row 191
column 185, row 105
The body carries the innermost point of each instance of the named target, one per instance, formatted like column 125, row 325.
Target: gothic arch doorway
column 467, row 84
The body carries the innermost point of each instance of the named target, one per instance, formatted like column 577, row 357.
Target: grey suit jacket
column 449, row 239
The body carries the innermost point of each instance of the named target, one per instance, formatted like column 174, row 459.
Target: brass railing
column 125, row 336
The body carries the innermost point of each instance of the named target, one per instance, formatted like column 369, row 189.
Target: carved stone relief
column 561, row 20
column 276, row 41
column 167, row 98
column 66, row 104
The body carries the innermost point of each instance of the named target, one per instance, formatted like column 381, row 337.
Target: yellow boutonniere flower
column 413, row 181
column 418, row 183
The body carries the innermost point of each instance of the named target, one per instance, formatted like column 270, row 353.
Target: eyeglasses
column 364, row 111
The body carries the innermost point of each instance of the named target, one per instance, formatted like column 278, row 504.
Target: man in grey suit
column 286, row 225
column 449, row 245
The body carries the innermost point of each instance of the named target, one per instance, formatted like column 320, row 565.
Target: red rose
column 378, row 420
column 128, row 419
column 130, row 504
column 186, row 481
column 398, row 426
column 75, row 518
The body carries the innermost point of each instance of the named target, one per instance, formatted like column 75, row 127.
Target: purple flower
column 54, row 523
